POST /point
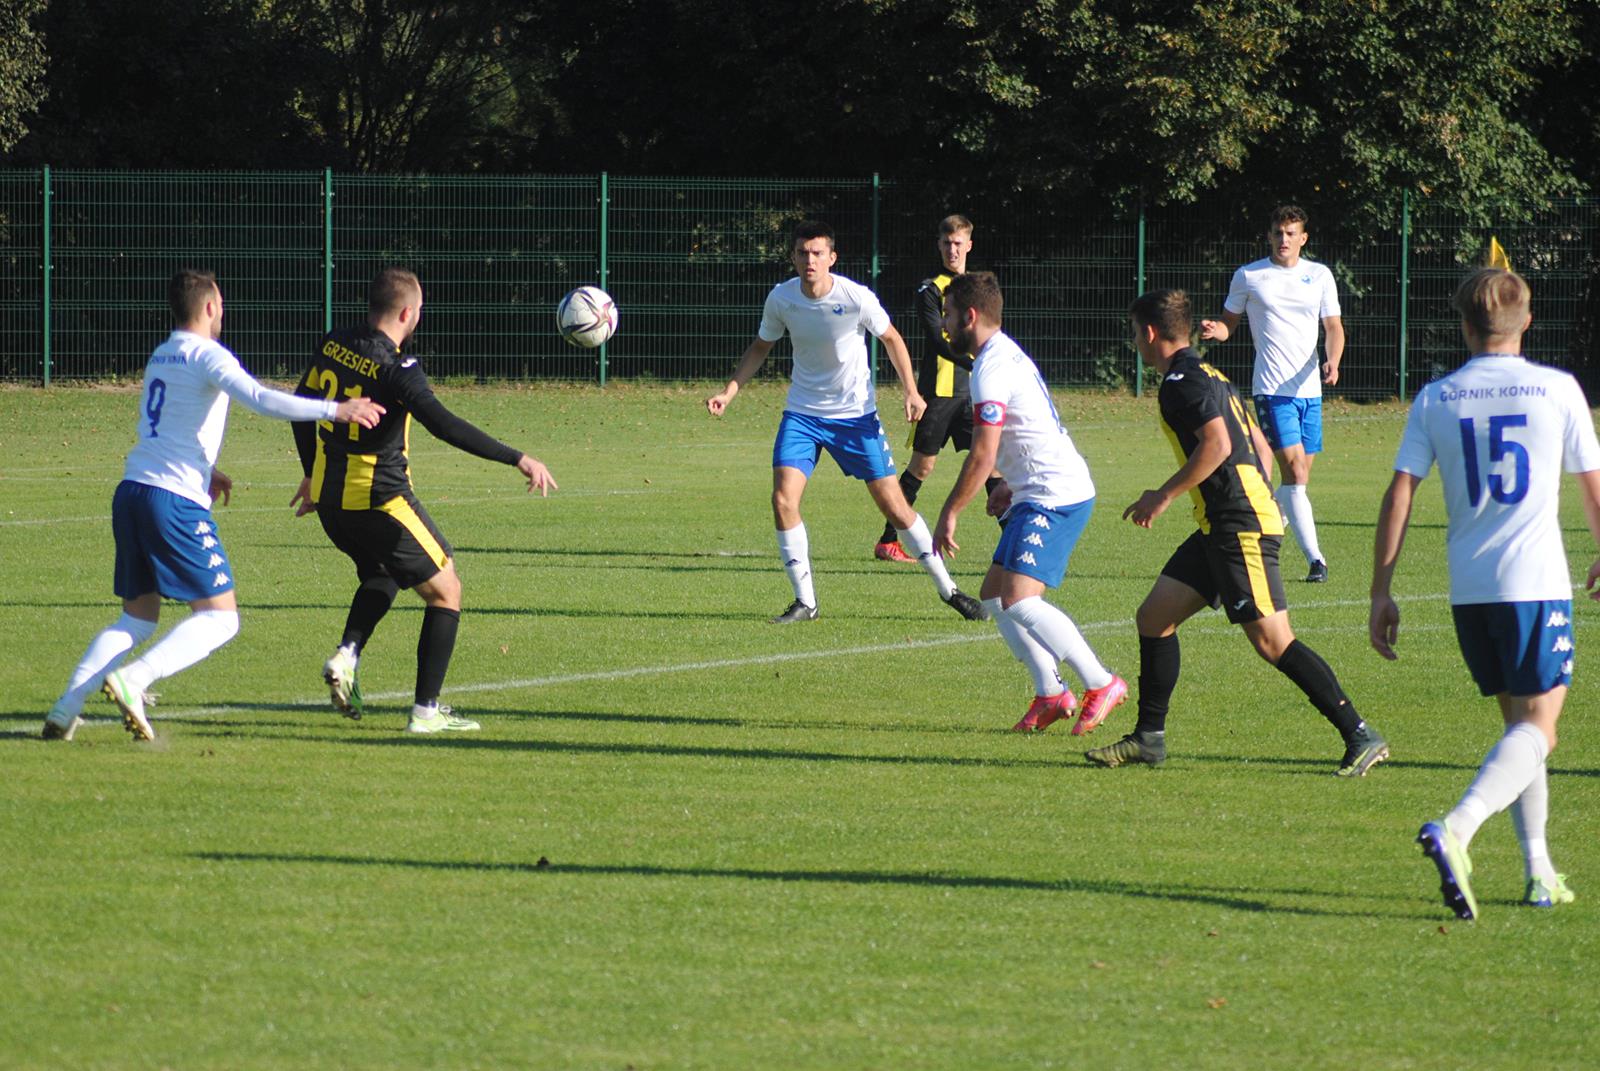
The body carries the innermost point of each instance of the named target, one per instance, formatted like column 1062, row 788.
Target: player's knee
column 921, row 466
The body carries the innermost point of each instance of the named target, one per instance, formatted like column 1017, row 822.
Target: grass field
column 688, row 839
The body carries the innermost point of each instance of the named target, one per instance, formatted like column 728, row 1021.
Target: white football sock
column 1507, row 771
column 919, row 541
column 795, row 550
column 1296, row 506
column 1528, row 814
column 104, row 654
column 1056, row 633
column 191, row 640
column 1041, row 663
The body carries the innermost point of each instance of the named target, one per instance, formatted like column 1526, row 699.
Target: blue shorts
column 166, row 543
column 1037, row 541
column 858, row 444
column 1521, row 648
column 1290, row 421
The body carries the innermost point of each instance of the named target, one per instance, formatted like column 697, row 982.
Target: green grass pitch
column 686, row 838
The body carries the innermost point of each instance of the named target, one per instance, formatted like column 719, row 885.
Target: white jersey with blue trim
column 831, row 377
column 1502, row 430
column 183, row 412
column 1284, row 308
column 1037, row 456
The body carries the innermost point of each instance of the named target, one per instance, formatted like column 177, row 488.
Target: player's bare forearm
column 1589, row 483
column 750, row 362
column 1264, row 455
column 1211, row 451
column 1332, row 348
column 975, row 470
column 1221, row 329
column 1388, row 540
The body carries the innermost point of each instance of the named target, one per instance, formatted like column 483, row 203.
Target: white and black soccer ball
column 587, row 317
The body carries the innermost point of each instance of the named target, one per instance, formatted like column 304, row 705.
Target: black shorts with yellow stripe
column 397, row 539
column 1237, row 571
column 945, row 420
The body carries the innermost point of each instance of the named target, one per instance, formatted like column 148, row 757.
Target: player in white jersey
column 1044, row 501
column 1286, row 297
column 167, row 540
column 832, row 406
column 1501, row 431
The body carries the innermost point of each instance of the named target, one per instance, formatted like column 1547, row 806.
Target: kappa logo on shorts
column 216, row 560
column 207, row 543
column 202, row 528
column 1566, row 668
column 1557, row 619
column 1027, row 556
column 1039, row 522
column 1033, row 538
column 1562, row 645
column 220, row 580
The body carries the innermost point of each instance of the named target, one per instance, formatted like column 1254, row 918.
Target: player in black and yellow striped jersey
column 942, row 380
column 1232, row 560
column 360, row 487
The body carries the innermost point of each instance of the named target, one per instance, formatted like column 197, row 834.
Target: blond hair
column 1493, row 302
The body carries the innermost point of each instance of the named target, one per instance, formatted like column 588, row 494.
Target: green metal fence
column 84, row 256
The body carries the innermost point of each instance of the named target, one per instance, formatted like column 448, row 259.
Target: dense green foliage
column 686, row 838
column 1339, row 105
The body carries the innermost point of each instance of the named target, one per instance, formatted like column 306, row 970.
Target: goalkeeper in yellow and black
column 942, row 381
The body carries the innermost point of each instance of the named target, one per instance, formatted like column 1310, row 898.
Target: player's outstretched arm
column 539, row 477
column 755, row 355
column 1220, row 329
column 1383, row 618
column 900, row 358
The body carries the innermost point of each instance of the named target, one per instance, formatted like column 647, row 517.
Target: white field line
column 983, row 636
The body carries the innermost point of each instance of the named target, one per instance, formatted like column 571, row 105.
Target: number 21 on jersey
column 324, row 380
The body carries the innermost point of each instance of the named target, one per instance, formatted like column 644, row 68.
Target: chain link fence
column 85, row 255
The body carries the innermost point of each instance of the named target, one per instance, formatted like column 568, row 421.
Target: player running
column 833, row 406
column 359, row 483
column 167, row 540
column 942, row 381
column 1232, row 561
column 1044, row 502
column 1501, row 430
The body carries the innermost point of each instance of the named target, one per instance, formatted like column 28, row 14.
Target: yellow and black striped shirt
column 944, row 373
column 1237, row 496
column 358, row 468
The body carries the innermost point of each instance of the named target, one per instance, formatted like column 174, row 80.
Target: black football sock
column 434, row 648
column 372, row 600
column 1159, row 661
column 1314, row 677
column 909, row 486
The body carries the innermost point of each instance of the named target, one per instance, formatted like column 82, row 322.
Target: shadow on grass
column 1200, row 894
column 457, row 742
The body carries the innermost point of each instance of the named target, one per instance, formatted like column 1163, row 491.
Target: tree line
column 1339, row 104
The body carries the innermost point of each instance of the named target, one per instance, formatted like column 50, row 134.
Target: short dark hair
column 390, row 289
column 955, row 223
column 188, row 292
column 1289, row 214
column 808, row 229
column 1167, row 311
column 1493, row 301
column 976, row 290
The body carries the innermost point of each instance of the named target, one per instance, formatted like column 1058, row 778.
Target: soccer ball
column 587, row 317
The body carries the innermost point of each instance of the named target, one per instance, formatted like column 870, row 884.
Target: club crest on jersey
column 1305, row 279
column 991, row 413
column 838, row 310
